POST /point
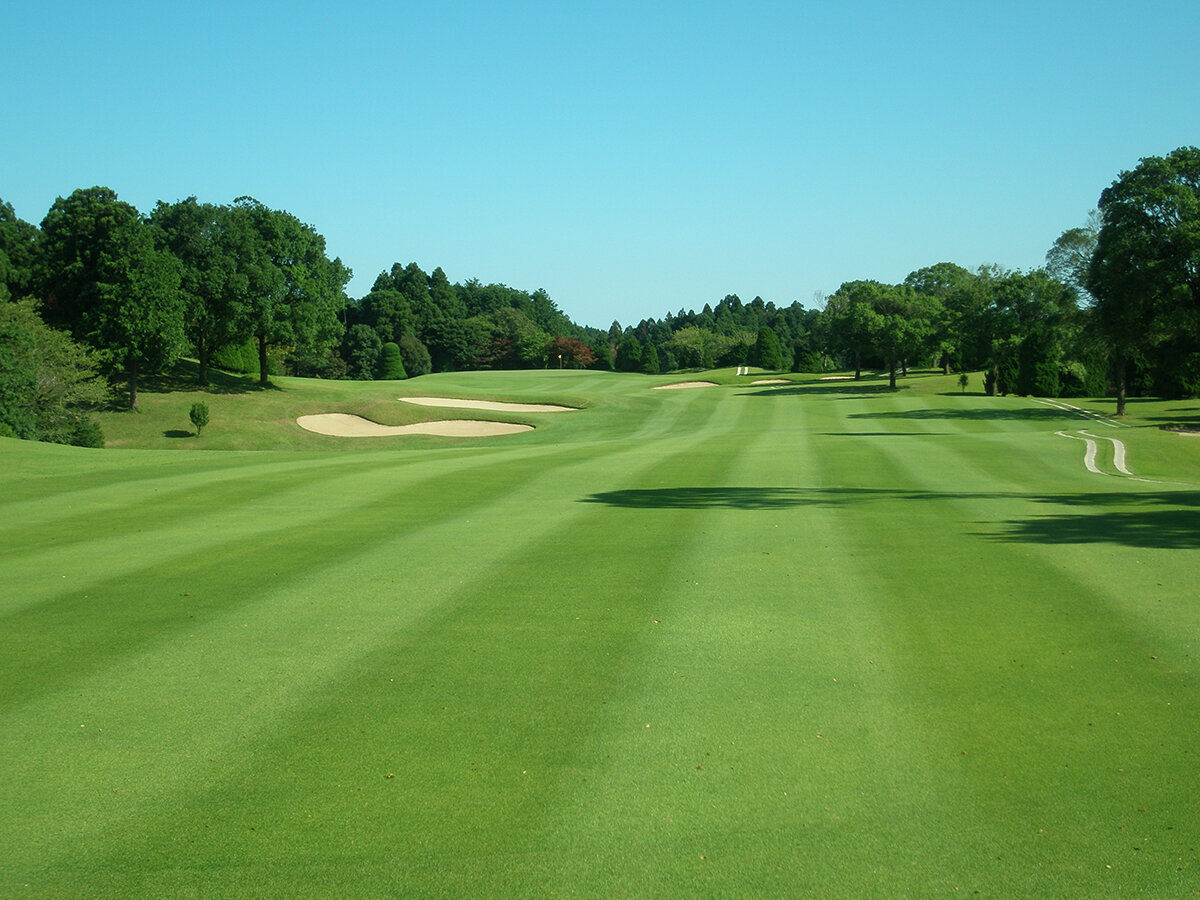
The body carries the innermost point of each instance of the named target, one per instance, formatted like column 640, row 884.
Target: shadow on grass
column 704, row 498
column 182, row 378
column 185, row 374
column 884, row 433
column 1026, row 414
column 1160, row 529
column 177, row 433
column 836, row 390
column 1165, row 520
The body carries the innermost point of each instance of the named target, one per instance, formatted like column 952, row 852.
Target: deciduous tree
column 104, row 278
column 1145, row 272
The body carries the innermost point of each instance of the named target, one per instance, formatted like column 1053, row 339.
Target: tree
column 415, row 355
column 1069, row 260
column 569, row 353
column 363, row 350
column 850, row 319
column 602, row 352
column 215, row 287
column 1145, row 272
column 513, row 341
column 629, row 355
column 48, row 382
column 951, row 286
column 104, row 278
column 766, row 351
column 388, row 312
column 18, row 249
column 649, row 364
column 296, row 292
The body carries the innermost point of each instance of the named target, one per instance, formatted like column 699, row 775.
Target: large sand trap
column 344, row 425
column 486, row 404
column 685, row 384
column 770, row 381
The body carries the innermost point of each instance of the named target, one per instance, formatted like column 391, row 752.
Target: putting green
column 817, row 639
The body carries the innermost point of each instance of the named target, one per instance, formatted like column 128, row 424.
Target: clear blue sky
column 632, row 158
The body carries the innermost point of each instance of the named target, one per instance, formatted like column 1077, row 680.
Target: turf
column 813, row 639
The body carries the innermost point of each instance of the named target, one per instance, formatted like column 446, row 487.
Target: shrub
column 391, row 364
column 241, row 358
column 47, row 381
column 199, row 416
column 415, row 355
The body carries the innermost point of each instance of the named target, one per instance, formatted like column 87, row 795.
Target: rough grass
column 814, row 639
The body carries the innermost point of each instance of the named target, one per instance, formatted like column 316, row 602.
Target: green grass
column 815, row 639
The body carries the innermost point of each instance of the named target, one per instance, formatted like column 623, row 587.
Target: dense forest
column 102, row 294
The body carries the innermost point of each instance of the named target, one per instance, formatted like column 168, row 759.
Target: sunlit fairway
column 802, row 639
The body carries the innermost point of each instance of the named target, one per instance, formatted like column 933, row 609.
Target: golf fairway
column 790, row 640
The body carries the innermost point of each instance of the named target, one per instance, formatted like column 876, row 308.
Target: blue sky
column 632, row 159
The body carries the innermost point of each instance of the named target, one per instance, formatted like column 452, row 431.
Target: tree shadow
column 837, row 390
column 1163, row 529
column 1027, row 414
column 184, row 376
column 1163, row 520
column 703, row 498
column 176, row 433
column 884, row 433
column 1160, row 520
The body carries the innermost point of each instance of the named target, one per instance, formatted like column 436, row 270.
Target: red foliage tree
column 569, row 353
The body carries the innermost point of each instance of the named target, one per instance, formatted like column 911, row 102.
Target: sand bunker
column 486, row 404
column 837, row 378
column 770, row 381
column 344, row 425
column 685, row 384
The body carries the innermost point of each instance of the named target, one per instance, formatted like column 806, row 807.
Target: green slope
column 810, row 639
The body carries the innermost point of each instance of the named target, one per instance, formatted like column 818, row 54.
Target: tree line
column 101, row 288
column 1114, row 310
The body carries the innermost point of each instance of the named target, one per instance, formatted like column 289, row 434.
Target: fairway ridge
column 820, row 640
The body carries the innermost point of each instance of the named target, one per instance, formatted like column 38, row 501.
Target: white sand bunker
column 344, row 425
column 685, row 384
column 837, row 378
column 487, row 404
column 770, row 381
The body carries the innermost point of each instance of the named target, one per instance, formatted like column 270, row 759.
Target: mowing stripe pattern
column 813, row 639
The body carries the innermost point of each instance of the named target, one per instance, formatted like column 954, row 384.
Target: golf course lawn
column 812, row 639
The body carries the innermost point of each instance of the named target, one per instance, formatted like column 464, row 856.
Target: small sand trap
column 770, row 381
column 486, row 404
column 684, row 384
column 344, row 425
column 837, row 378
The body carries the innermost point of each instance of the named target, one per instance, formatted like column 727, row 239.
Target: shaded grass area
column 684, row 643
column 1163, row 520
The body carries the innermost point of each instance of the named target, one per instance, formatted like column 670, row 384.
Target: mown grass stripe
column 429, row 527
